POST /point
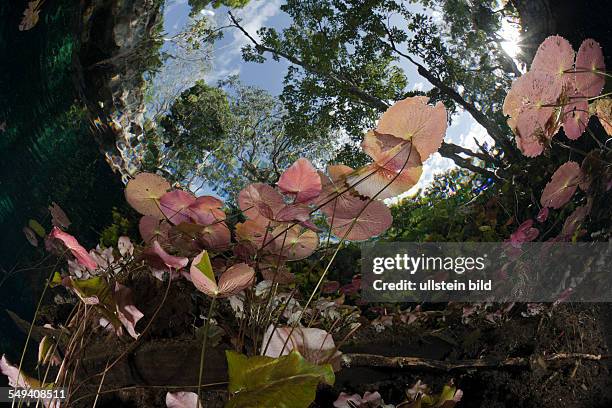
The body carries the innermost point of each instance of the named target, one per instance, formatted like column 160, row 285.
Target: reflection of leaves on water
column 31, row 15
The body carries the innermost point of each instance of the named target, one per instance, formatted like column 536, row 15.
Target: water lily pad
column 562, row 185
column 302, row 180
column 590, row 59
column 285, row 382
column 413, row 119
column 144, row 191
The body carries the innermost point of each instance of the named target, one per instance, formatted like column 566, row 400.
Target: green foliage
column 97, row 288
column 449, row 211
column 37, row 228
column 120, row 226
column 285, row 382
column 339, row 49
column 197, row 119
column 346, row 60
column 447, row 398
column 205, row 267
column 228, row 136
column 464, row 49
column 198, row 5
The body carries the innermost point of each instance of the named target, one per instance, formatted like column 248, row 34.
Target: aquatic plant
column 243, row 258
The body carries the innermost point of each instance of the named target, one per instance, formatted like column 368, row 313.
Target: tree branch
column 452, row 151
column 491, row 127
column 373, row 360
column 456, row 149
column 339, row 79
column 448, row 150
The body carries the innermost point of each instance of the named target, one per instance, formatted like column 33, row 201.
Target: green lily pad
column 37, row 228
column 264, row 382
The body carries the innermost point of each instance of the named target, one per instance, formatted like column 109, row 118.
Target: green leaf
column 97, row 287
column 37, row 228
column 56, row 280
column 205, row 267
column 214, row 336
column 264, row 382
column 447, row 394
column 94, row 287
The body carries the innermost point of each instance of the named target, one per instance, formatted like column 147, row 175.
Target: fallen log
column 174, row 363
column 378, row 361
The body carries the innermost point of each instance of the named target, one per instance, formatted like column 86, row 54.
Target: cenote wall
column 47, row 151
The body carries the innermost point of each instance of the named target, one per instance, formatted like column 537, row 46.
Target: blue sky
column 269, row 75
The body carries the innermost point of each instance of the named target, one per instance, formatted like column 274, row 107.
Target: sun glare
column 511, row 38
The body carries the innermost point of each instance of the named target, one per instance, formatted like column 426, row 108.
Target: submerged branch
column 373, row 360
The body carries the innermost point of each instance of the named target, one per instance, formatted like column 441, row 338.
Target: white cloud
column 227, row 58
column 419, row 86
column 254, row 16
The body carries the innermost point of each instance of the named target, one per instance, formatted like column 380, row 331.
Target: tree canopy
column 226, row 136
column 349, row 61
column 198, row 5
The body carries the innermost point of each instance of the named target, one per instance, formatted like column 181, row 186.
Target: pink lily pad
column 151, row 228
column 294, row 242
column 16, row 378
column 575, row 116
column 530, row 146
column 215, row 237
column 234, row 280
column 293, row 212
column 79, row 253
column 315, row 345
column 144, row 191
column 562, row 185
column 555, row 56
column 206, row 210
column 590, row 58
column 390, row 152
column 160, row 259
column 260, row 202
column 373, row 220
column 413, row 119
column 302, row 180
column 378, row 182
column 58, row 216
column 175, row 206
column 515, row 98
column 128, row 314
column 540, row 92
column 575, row 219
column 336, row 196
column 254, row 233
column 182, row 399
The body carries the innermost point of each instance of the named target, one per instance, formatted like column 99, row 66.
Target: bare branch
column 373, row 360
